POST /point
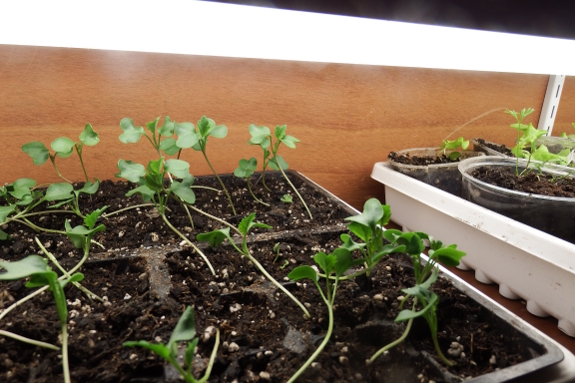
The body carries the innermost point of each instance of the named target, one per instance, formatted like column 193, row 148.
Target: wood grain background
column 347, row 116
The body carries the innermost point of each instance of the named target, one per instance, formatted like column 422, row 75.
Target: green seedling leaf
column 186, row 327
column 220, row 131
column 152, row 126
column 4, row 236
column 424, row 287
column 350, row 244
column 179, row 168
column 246, row 168
column 187, row 135
column 158, row 349
column 290, row 141
column 131, row 171
column 77, row 277
column 131, row 133
column 88, row 188
column 205, row 125
column 449, row 256
column 408, row 314
column 92, row 218
column 260, row 135
column 302, row 272
column 286, row 198
column 21, row 187
column 37, row 151
column 169, row 146
column 63, row 146
column 371, row 216
column 277, row 161
column 89, row 137
column 32, row 264
column 413, row 243
column 392, row 235
column 386, row 215
column 385, row 250
column 183, row 190
column 343, row 261
column 248, row 223
column 280, row 132
column 81, row 235
column 325, row 262
column 59, row 191
column 215, row 237
column 146, row 193
column 167, row 129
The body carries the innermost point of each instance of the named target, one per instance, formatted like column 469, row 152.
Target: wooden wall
column 347, row 116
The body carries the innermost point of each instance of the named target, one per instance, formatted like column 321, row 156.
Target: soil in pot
column 431, row 166
column 491, row 148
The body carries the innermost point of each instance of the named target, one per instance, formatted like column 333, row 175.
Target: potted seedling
column 531, row 188
column 434, row 166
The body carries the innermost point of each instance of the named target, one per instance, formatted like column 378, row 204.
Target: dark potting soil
column 420, row 160
column 533, row 182
column 497, row 147
column 263, row 333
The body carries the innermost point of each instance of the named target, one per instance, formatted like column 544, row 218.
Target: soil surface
column 533, row 182
column 420, row 160
column 146, row 277
column 492, row 145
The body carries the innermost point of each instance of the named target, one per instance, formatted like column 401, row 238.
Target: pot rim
column 469, row 164
column 432, row 151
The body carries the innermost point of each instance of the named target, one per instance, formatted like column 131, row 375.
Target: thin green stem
column 214, row 218
column 53, row 159
column 189, row 215
column 220, row 181
column 345, row 277
column 106, row 215
column 212, row 359
column 28, row 340
column 394, row 343
column 253, row 195
column 438, row 350
column 36, row 228
column 296, row 192
column 205, row 187
column 79, row 151
column 247, row 253
column 189, row 243
column 87, row 292
column 323, row 343
column 65, row 367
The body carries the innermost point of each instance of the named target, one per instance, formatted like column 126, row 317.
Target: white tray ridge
column 526, row 263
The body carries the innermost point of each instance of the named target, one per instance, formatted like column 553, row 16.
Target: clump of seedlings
column 63, row 147
column 245, row 170
column 453, row 145
column 425, row 277
column 185, row 330
column 335, row 264
column 527, row 136
column 151, row 178
column 261, row 136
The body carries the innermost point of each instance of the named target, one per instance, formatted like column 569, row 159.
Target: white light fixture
column 214, row 29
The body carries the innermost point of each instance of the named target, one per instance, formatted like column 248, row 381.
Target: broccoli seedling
column 216, row 237
column 425, row 276
column 41, row 274
column 369, row 227
column 185, row 330
column 452, row 145
column 261, row 136
column 197, row 139
column 245, row 169
column 287, row 198
column 336, row 263
column 63, row 147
